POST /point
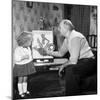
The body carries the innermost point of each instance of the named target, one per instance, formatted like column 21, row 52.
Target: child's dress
column 23, row 62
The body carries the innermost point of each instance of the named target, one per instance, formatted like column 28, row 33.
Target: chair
column 92, row 39
column 89, row 85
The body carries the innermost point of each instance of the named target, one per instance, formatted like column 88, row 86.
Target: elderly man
column 81, row 61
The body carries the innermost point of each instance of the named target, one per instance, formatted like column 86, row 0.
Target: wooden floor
column 44, row 84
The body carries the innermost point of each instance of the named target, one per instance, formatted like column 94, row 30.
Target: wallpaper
column 27, row 16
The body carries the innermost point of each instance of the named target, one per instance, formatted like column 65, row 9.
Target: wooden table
column 53, row 65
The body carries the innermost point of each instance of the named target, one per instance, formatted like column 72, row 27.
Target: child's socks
column 24, row 87
column 20, row 88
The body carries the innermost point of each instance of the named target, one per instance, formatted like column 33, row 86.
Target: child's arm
column 18, row 55
column 25, row 57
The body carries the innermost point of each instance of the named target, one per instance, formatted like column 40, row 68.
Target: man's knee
column 69, row 70
column 72, row 81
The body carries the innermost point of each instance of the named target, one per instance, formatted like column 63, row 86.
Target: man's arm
column 61, row 51
column 74, row 54
column 75, row 51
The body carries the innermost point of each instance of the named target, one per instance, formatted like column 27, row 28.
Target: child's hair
column 23, row 38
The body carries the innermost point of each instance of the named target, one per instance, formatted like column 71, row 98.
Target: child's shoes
column 27, row 92
column 22, row 95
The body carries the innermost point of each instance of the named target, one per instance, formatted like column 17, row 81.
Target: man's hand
column 61, row 70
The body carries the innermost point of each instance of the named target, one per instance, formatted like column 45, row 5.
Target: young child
column 23, row 62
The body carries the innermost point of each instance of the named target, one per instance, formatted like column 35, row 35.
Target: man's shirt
column 77, row 46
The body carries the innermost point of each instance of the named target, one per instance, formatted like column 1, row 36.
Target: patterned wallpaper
column 28, row 19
